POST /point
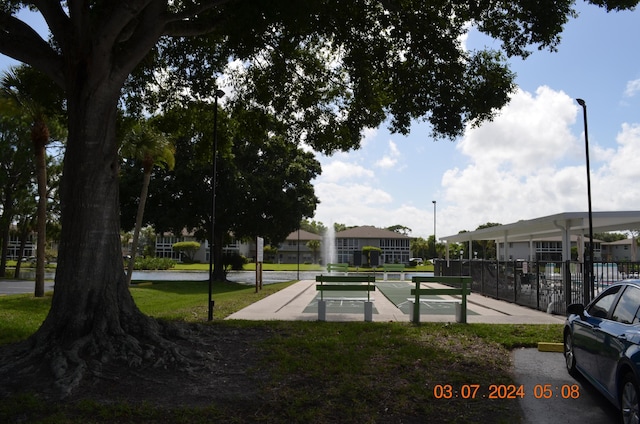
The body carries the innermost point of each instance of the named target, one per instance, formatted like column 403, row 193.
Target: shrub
column 235, row 261
column 153, row 263
column 187, row 248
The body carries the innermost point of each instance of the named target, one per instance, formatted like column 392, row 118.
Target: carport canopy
column 552, row 226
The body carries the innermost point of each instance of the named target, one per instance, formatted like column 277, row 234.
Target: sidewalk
column 290, row 304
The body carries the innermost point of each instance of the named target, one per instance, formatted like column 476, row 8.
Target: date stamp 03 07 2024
column 505, row 391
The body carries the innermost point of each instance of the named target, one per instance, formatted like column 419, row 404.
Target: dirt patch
column 221, row 368
column 227, row 372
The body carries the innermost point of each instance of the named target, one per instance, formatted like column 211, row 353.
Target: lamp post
column 218, row 94
column 298, row 276
column 435, row 250
column 588, row 287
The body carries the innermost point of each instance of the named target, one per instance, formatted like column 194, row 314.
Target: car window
column 627, row 307
column 600, row 308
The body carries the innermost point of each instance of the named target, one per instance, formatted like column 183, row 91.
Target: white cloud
column 338, row 171
column 633, row 87
column 368, row 134
column 386, row 162
column 615, row 183
column 530, row 133
column 350, row 203
column 339, row 195
column 390, row 159
column 516, row 166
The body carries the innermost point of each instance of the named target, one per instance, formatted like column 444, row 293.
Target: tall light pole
column 298, row 277
column 588, row 287
column 218, row 94
column 435, row 251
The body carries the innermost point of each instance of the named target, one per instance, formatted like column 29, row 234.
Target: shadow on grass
column 190, row 287
column 21, row 315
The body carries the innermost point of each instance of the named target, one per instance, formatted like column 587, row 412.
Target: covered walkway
column 548, row 227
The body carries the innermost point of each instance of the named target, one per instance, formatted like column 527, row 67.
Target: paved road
column 532, row 368
column 11, row 286
column 21, row 286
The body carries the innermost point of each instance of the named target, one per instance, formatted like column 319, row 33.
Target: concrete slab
column 289, row 305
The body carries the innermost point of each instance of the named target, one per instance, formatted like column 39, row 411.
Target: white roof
column 553, row 226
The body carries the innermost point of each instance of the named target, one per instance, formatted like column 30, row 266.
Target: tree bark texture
column 40, row 136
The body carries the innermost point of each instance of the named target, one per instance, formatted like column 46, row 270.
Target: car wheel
column 569, row 356
column 629, row 400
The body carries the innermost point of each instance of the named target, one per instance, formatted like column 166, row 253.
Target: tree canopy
column 42, row 100
column 17, row 192
column 264, row 184
column 400, row 229
column 312, row 226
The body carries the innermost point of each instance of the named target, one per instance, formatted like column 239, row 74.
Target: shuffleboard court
column 300, row 302
column 343, row 302
column 399, row 292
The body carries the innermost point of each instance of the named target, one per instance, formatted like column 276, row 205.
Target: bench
column 338, row 268
column 464, row 291
column 396, row 268
column 342, row 284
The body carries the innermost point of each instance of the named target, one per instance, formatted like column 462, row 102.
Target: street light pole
column 298, row 276
column 588, row 287
column 435, row 250
column 218, row 94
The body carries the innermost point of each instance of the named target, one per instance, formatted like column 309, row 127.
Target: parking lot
column 550, row 393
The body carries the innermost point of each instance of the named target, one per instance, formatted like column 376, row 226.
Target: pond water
column 246, row 277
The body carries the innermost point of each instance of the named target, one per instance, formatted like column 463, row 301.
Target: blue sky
column 528, row 162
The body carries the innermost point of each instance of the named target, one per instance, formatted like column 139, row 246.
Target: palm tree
column 17, row 171
column 43, row 101
column 151, row 147
column 314, row 245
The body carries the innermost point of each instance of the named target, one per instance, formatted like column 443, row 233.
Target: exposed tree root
column 50, row 367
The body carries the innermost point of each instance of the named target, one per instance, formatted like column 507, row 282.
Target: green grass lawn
column 318, row 372
column 294, row 267
column 21, row 315
column 252, row 267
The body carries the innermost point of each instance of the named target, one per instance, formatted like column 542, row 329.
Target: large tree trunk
column 90, row 290
column 93, row 318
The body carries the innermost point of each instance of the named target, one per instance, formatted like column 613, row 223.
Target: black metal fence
column 542, row 285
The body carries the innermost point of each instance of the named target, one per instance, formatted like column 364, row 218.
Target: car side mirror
column 576, row 309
